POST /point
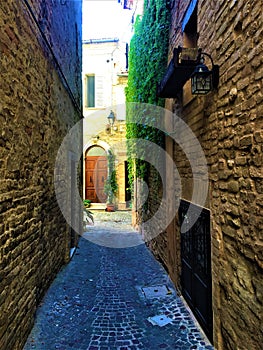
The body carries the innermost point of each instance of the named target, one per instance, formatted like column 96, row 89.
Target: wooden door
column 95, row 178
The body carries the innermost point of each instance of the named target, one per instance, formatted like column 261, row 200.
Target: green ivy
column 147, row 63
column 111, row 186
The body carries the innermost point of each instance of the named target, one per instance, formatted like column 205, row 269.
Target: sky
column 105, row 19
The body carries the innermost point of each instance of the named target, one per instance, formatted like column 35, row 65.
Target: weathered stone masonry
column 36, row 111
column 228, row 124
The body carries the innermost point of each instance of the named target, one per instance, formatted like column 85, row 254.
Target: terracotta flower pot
column 110, row 207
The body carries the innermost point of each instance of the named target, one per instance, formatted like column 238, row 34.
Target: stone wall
column 36, row 111
column 228, row 124
column 236, row 176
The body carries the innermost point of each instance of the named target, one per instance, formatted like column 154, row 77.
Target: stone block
column 256, row 172
column 246, row 141
column 258, row 135
column 225, row 174
column 233, row 186
column 229, row 231
column 259, row 186
column 241, row 160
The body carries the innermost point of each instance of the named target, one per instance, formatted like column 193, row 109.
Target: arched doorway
column 95, row 174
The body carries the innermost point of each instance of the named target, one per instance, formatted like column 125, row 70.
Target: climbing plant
column 111, row 185
column 147, row 63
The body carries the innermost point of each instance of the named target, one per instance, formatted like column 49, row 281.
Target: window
column 190, row 30
column 90, row 91
column 94, row 91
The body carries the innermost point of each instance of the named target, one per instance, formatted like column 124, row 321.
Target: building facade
column 217, row 262
column 41, row 100
column 104, row 80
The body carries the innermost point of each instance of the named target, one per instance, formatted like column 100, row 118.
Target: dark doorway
column 196, row 278
column 127, row 186
column 74, row 209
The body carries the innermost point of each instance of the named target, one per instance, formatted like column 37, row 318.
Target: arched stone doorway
column 96, row 170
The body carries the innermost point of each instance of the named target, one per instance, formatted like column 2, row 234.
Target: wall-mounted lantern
column 201, row 80
column 188, row 64
column 111, row 118
column 204, row 80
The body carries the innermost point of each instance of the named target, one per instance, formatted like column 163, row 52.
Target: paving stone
column 95, row 302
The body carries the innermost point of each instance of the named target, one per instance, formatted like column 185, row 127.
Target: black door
column 73, row 175
column 196, row 277
column 127, row 187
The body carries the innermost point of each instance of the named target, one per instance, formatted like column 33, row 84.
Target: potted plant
column 87, row 214
column 87, row 203
column 111, row 186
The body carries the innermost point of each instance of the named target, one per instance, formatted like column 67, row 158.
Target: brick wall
column 228, row 124
column 36, row 112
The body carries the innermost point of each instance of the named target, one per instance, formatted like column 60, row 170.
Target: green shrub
column 87, row 203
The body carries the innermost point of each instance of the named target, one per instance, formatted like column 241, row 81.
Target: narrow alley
column 110, row 298
column 153, row 111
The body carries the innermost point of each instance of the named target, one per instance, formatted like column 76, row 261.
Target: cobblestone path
column 105, row 299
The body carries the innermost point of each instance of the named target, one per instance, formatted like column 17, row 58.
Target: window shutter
column 90, row 91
